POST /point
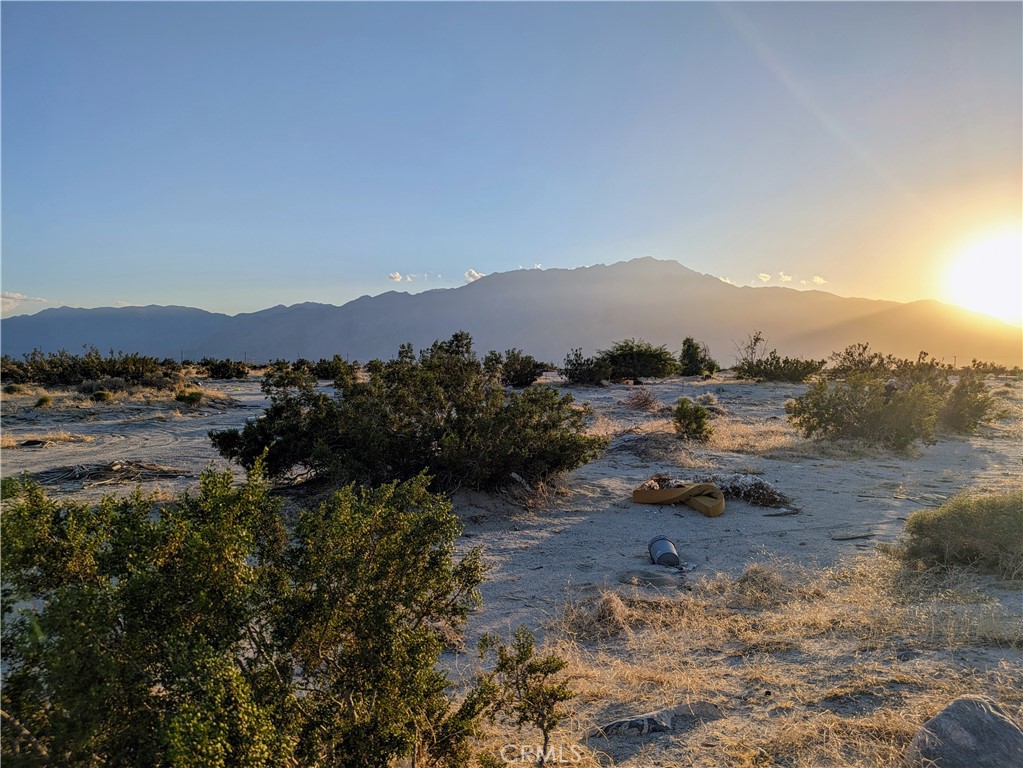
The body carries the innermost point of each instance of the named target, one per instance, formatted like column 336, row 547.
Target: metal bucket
column 662, row 551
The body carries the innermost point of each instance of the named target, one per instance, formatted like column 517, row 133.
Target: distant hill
column 544, row 312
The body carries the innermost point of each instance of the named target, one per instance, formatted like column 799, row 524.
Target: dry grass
column 7, row 440
column 838, row 667
column 643, row 399
column 760, row 439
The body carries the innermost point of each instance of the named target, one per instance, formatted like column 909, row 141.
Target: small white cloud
column 395, row 276
column 409, row 278
column 726, row 280
column 11, row 300
column 784, row 278
column 764, row 277
column 818, row 280
column 471, row 275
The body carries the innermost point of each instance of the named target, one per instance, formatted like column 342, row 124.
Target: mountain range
column 546, row 313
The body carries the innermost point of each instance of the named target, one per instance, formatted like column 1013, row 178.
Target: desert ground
column 784, row 618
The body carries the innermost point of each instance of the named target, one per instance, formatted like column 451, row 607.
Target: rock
column 971, row 732
column 676, row 718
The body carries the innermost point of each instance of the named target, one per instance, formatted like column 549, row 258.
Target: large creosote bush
column 884, row 399
column 202, row 632
column 860, row 408
column 444, row 412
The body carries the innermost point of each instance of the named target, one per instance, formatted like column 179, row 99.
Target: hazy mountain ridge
column 545, row 312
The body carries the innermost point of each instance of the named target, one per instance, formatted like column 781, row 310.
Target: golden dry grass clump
column 838, row 667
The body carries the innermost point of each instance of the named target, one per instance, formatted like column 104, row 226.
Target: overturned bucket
column 662, row 551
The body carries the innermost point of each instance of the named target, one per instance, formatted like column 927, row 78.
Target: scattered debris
column 103, row 474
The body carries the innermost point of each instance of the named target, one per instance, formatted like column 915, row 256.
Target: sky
column 233, row 156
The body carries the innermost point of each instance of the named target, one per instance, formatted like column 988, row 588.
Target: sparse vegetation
column 226, row 368
column 982, row 529
column 754, row 361
column 837, row 667
column 63, row 369
column 102, row 396
column 44, row 402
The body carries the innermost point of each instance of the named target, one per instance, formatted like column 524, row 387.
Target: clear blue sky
column 233, row 156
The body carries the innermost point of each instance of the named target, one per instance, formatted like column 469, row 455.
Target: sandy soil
column 585, row 532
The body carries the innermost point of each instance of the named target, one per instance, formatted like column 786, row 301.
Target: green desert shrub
column 44, row 402
column 63, row 369
column 515, row 368
column 968, row 404
column 891, row 401
column 585, row 370
column 12, row 389
column 695, row 359
column 444, row 412
column 335, row 369
column 189, row 397
column 224, row 369
column 691, row 420
column 203, row 632
column 634, row 359
column 861, row 408
column 755, row 362
column 102, row 396
column 979, row 529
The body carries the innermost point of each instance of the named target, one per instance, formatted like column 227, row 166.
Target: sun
column 987, row 276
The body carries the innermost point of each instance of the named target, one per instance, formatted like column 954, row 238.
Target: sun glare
column 987, row 276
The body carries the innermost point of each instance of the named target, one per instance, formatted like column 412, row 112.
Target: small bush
column 692, row 420
column 585, row 370
column 632, row 359
column 643, row 399
column 515, row 368
column 985, row 530
column 967, row 405
column 44, row 402
column 109, row 384
column 102, row 396
column 695, row 359
column 12, row 389
column 191, row 397
column 224, row 369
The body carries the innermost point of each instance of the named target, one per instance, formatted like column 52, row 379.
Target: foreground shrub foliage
column 444, row 412
column 201, row 632
column 891, row 401
column 984, row 530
